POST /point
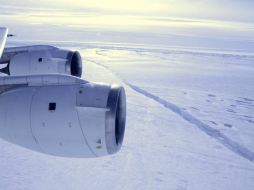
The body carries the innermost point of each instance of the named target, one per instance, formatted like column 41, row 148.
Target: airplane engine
column 33, row 60
column 62, row 115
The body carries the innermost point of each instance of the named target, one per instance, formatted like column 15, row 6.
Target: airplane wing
column 3, row 36
column 56, row 112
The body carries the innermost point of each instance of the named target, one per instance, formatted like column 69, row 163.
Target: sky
column 229, row 10
column 199, row 23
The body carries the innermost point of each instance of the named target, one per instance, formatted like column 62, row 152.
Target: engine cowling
column 41, row 60
column 62, row 115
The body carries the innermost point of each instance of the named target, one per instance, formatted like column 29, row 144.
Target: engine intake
column 115, row 119
column 74, row 64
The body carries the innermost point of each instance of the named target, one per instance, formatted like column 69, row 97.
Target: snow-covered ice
column 183, row 131
column 190, row 116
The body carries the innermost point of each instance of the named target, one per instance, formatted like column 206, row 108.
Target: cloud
column 230, row 10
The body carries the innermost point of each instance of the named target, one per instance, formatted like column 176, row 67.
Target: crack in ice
column 214, row 133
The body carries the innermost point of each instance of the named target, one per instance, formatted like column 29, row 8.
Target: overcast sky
column 230, row 10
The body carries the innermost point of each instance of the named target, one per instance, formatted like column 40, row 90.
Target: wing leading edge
column 3, row 36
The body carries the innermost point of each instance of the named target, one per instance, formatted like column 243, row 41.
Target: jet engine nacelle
column 41, row 60
column 62, row 115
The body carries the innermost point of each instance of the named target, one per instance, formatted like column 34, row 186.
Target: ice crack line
column 214, row 133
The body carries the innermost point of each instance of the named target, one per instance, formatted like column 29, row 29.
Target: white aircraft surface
column 47, row 107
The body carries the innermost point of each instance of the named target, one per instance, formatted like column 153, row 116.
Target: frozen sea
column 190, row 106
